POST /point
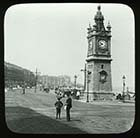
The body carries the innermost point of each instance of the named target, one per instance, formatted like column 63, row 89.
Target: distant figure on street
column 23, row 90
column 46, row 90
column 119, row 97
column 78, row 95
column 68, row 106
column 59, row 95
column 56, row 90
column 58, row 104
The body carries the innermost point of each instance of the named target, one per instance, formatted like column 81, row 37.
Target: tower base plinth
column 92, row 96
column 103, row 96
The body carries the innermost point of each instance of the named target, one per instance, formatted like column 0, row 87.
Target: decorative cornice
column 91, row 58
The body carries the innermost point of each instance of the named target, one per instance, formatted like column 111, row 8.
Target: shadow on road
column 25, row 120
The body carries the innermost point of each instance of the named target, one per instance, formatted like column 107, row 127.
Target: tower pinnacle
column 99, row 8
column 109, row 26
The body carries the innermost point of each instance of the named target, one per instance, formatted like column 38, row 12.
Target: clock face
column 102, row 44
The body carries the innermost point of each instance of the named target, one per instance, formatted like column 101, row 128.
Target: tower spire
column 99, row 18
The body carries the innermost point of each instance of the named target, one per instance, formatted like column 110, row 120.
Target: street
column 35, row 113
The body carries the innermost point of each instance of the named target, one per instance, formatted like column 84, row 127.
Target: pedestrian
column 68, row 106
column 23, row 90
column 78, row 95
column 59, row 95
column 58, row 104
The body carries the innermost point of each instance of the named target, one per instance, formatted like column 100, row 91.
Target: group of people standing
column 68, row 105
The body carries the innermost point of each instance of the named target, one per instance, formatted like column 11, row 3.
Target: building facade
column 55, row 81
column 16, row 76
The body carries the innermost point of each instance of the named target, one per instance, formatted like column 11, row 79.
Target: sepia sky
column 52, row 38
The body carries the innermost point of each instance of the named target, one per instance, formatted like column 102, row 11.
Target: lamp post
column 86, row 75
column 84, row 70
column 88, row 80
column 75, row 77
column 36, row 79
column 24, row 82
column 123, row 87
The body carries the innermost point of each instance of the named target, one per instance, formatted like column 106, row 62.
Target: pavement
column 35, row 113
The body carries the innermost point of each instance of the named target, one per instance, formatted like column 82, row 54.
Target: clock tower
column 98, row 66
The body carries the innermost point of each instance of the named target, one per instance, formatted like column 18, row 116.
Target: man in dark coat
column 68, row 106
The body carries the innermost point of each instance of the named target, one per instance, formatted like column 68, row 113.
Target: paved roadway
column 35, row 113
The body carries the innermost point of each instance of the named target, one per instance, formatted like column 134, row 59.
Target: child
column 58, row 104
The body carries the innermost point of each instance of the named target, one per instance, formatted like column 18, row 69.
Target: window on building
column 102, row 66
